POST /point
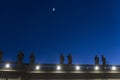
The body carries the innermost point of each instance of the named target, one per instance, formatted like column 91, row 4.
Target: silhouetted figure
column 1, row 56
column 96, row 60
column 20, row 57
column 61, row 59
column 32, row 59
column 69, row 57
column 103, row 60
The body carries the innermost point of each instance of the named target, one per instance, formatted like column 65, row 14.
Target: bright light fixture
column 58, row 67
column 77, row 67
column 37, row 67
column 113, row 68
column 96, row 67
column 7, row 65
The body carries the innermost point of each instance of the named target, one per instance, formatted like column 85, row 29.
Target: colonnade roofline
column 57, row 67
column 58, row 71
column 53, row 64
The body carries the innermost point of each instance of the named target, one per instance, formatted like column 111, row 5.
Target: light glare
column 77, row 67
column 37, row 67
column 114, row 68
column 7, row 65
column 96, row 67
column 58, row 67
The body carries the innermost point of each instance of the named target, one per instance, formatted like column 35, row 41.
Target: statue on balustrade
column 96, row 60
column 1, row 55
column 20, row 57
column 69, row 58
column 61, row 59
column 32, row 59
column 103, row 60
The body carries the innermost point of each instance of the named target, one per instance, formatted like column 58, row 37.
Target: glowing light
column 113, row 68
column 53, row 9
column 58, row 67
column 96, row 67
column 37, row 67
column 77, row 67
column 7, row 65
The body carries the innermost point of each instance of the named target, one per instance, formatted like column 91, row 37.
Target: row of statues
column 69, row 58
column 96, row 59
column 20, row 57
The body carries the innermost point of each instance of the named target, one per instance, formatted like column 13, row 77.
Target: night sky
column 83, row 28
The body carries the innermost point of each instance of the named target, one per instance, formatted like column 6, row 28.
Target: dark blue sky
column 83, row 28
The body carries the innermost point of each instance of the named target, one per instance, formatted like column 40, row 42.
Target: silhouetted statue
column 20, row 57
column 61, row 59
column 32, row 58
column 69, row 57
column 1, row 55
column 96, row 60
column 103, row 60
